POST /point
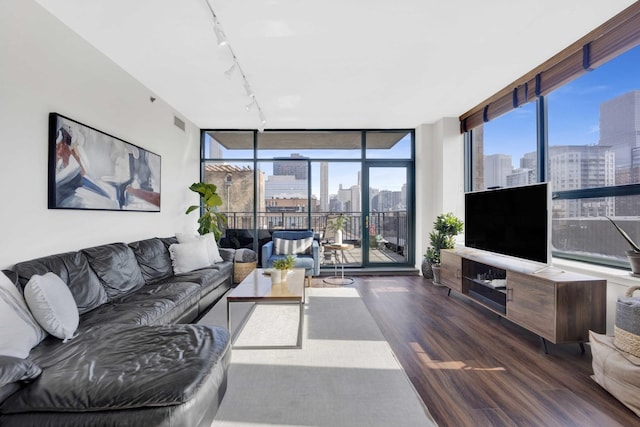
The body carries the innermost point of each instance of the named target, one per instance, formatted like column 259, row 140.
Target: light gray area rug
column 345, row 374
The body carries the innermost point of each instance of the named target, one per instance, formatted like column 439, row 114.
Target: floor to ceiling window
column 588, row 133
column 278, row 180
column 594, row 160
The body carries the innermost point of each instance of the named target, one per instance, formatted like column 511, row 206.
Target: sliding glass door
column 387, row 232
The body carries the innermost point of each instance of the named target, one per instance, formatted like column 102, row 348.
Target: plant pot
column 276, row 276
column 426, row 269
column 338, row 237
column 436, row 274
column 634, row 260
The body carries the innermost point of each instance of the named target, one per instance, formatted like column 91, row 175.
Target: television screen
column 512, row 221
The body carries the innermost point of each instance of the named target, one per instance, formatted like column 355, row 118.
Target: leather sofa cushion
column 73, row 268
column 151, row 305
column 153, row 258
column 99, row 371
column 168, row 241
column 207, row 278
column 226, row 268
column 116, row 267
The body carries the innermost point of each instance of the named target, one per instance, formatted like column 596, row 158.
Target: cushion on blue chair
column 301, row 262
column 292, row 247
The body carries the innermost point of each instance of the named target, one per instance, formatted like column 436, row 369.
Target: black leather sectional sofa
column 137, row 359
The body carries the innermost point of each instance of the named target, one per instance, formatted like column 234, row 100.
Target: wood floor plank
column 472, row 368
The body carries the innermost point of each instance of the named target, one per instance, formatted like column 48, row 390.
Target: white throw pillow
column 186, row 257
column 209, row 238
column 52, row 304
column 19, row 331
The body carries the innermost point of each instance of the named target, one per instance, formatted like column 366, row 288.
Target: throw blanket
column 245, row 255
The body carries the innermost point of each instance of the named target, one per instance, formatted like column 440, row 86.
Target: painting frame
column 92, row 170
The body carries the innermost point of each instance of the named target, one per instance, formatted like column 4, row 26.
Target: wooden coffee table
column 257, row 288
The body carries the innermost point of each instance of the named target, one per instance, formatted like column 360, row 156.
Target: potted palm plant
column 634, row 254
column 445, row 228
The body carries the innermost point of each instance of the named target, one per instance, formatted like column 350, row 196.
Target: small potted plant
column 337, row 225
column 634, row 254
column 445, row 228
column 280, row 268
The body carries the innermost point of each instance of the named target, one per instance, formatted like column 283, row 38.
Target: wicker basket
column 627, row 327
column 242, row 270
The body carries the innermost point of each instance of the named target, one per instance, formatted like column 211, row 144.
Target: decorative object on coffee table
column 281, row 268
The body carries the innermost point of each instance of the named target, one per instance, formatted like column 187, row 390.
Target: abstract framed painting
column 90, row 169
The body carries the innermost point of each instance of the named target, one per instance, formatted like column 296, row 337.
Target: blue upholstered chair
column 285, row 243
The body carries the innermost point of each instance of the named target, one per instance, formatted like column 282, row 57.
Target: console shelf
column 558, row 306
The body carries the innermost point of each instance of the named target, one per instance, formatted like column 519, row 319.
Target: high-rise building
column 620, row 129
column 297, row 168
column 356, row 205
column 529, row 161
column 522, row 176
column 324, row 186
column 574, row 167
column 496, row 169
column 285, row 187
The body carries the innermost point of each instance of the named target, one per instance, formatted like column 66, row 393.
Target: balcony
column 388, row 233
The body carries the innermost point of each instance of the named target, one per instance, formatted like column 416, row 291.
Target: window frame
column 542, row 148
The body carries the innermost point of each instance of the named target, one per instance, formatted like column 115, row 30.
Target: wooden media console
column 559, row 306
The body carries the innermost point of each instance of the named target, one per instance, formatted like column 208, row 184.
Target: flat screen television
column 513, row 221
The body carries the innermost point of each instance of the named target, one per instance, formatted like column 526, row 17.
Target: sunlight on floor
column 390, row 289
column 447, row 364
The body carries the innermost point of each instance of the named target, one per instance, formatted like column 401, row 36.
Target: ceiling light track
column 223, row 42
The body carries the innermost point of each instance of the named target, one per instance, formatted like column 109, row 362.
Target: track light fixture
column 230, row 71
column 223, row 41
column 248, row 90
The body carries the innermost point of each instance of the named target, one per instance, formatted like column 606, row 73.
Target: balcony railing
column 390, row 226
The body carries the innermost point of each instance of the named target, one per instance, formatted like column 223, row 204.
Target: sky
column 573, row 110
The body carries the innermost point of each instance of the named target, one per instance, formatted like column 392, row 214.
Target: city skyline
column 614, row 160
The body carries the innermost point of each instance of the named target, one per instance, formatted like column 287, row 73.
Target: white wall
column 45, row 67
column 439, row 176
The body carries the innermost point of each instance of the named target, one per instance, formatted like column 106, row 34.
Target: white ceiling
column 330, row 63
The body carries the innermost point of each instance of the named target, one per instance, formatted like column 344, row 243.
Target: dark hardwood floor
column 473, row 368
